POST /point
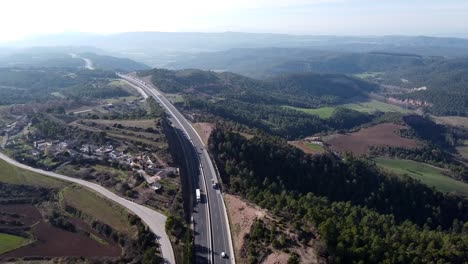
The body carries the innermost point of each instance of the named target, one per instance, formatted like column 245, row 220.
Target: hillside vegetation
column 260, row 104
column 344, row 200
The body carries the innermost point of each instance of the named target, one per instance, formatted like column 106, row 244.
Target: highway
column 155, row 220
column 212, row 231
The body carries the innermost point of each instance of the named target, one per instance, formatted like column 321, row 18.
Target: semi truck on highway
column 198, row 195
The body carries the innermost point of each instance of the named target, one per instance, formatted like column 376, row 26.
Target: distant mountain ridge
column 146, row 46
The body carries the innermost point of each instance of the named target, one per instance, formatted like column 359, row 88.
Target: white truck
column 198, row 195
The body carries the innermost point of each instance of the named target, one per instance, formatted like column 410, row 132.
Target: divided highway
column 212, row 232
column 155, row 220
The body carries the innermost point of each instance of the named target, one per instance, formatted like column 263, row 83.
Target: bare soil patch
column 379, row 135
column 241, row 216
column 277, row 258
column 204, row 130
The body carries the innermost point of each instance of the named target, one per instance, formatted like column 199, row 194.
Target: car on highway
column 214, row 184
column 223, row 254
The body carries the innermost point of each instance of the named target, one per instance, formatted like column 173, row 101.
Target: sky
column 26, row 18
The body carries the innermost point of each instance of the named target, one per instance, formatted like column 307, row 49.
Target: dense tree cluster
column 20, row 86
column 446, row 82
column 360, row 213
column 443, row 137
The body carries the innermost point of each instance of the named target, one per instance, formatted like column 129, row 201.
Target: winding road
column 155, row 220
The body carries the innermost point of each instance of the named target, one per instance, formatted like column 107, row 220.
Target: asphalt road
column 212, row 233
column 155, row 220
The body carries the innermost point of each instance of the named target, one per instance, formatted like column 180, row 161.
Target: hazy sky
column 20, row 18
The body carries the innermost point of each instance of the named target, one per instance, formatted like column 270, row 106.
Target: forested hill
column 261, row 104
column 446, row 82
column 360, row 213
column 321, row 85
column 305, row 89
column 264, row 62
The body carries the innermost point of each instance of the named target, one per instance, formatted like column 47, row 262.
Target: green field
column 427, row 174
column 315, row 147
column 14, row 175
column 175, row 98
column 365, row 107
column 94, row 205
column 10, row 242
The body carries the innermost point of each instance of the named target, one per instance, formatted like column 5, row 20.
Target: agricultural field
column 427, row 174
column 92, row 204
column 459, row 121
column 174, row 98
column 14, row 175
column 385, row 134
column 365, row 107
column 93, row 227
column 139, row 123
column 307, row 147
column 323, row 112
column 10, row 242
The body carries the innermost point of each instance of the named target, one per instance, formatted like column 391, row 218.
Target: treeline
column 277, row 120
column 264, row 161
column 19, row 86
column 360, row 213
column 440, row 136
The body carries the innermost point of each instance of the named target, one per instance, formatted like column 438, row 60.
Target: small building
column 36, row 143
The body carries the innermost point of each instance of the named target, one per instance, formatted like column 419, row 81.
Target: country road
column 88, row 63
column 212, row 231
column 155, row 220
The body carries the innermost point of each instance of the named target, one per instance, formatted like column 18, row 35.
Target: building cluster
column 52, row 148
column 142, row 163
column 16, row 127
column 315, row 140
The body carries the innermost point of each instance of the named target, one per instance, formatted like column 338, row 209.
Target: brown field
column 51, row 241
column 276, row 258
column 379, row 135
